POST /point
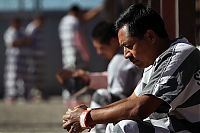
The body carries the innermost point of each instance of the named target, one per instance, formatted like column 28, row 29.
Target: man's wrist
column 85, row 119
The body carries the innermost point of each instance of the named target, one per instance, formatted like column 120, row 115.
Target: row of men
column 113, row 84
column 167, row 97
column 23, row 58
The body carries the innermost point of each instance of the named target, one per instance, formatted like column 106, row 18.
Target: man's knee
column 124, row 126
column 101, row 97
column 128, row 126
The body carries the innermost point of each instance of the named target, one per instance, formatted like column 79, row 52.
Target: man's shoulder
column 69, row 19
column 181, row 43
column 10, row 30
column 179, row 47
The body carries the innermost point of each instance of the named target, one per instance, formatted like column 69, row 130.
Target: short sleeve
column 171, row 74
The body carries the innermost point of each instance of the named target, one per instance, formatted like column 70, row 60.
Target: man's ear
column 150, row 36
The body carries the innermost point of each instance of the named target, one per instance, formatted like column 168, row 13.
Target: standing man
column 15, row 65
column 35, row 54
column 74, row 48
column 167, row 98
column 73, row 43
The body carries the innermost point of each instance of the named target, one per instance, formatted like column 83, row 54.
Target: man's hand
column 71, row 120
column 65, row 74
column 62, row 75
column 84, row 75
column 75, row 128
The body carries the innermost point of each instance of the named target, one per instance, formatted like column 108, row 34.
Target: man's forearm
column 133, row 107
column 114, row 112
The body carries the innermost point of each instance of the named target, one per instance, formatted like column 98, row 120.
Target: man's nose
column 127, row 52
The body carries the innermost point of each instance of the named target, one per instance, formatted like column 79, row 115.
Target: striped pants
column 130, row 126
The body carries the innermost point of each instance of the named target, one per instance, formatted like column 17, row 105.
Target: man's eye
column 128, row 46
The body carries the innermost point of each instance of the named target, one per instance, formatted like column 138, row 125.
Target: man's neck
column 165, row 45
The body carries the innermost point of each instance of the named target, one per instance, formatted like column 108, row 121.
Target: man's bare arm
column 22, row 42
column 91, row 14
column 133, row 107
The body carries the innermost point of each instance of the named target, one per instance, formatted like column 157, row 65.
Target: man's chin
column 135, row 63
column 138, row 64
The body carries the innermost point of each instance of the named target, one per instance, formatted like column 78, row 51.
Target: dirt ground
column 37, row 117
column 40, row 116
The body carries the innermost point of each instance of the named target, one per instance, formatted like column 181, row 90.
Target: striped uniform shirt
column 68, row 26
column 12, row 62
column 175, row 78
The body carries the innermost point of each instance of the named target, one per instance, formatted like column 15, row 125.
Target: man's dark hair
column 139, row 19
column 74, row 8
column 103, row 32
column 16, row 20
column 39, row 16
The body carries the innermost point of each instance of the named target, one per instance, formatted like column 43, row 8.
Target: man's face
column 107, row 51
column 17, row 25
column 138, row 51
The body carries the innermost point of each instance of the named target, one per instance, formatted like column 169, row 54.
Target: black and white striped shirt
column 175, row 78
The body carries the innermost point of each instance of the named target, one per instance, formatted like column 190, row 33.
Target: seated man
column 122, row 75
column 167, row 98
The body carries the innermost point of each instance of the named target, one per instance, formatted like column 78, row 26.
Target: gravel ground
column 37, row 117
